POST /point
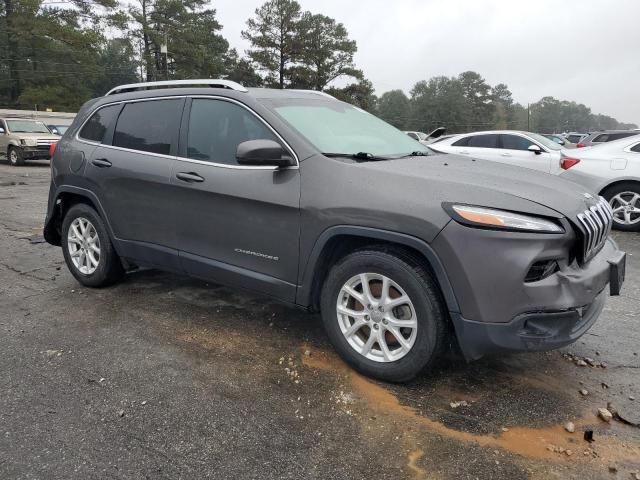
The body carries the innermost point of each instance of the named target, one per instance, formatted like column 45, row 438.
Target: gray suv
column 318, row 204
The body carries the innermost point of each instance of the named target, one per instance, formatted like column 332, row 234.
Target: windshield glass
column 336, row 127
column 546, row 142
column 26, row 126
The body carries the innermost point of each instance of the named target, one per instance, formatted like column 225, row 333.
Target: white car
column 524, row 149
column 612, row 170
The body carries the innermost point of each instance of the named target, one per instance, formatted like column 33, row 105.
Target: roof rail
column 317, row 92
column 214, row 83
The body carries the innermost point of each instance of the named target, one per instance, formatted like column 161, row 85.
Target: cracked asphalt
column 164, row 376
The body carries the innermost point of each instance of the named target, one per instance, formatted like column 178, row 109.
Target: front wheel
column 14, row 154
column 624, row 199
column 383, row 313
column 87, row 248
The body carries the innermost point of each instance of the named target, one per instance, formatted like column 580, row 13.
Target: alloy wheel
column 377, row 317
column 13, row 156
column 83, row 244
column 626, row 208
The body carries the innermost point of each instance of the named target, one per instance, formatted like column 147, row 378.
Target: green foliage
column 326, row 53
column 275, row 39
column 393, row 107
column 360, row 94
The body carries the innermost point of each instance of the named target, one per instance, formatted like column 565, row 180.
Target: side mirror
column 535, row 149
column 263, row 153
column 1, row 130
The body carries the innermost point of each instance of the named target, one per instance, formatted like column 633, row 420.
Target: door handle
column 464, row 152
column 505, row 154
column 189, row 177
column 101, row 162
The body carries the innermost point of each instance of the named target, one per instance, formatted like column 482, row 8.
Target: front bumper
column 35, row 153
column 499, row 310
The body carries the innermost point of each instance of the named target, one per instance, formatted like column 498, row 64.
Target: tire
column 616, row 195
column 426, row 307
column 14, row 155
column 109, row 268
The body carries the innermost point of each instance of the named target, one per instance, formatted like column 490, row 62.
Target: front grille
column 44, row 142
column 595, row 224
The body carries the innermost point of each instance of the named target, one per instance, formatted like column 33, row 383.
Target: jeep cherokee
column 317, row 203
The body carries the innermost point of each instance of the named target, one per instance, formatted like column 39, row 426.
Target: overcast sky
column 582, row 50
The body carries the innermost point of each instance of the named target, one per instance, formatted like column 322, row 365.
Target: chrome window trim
column 629, row 148
column 185, row 159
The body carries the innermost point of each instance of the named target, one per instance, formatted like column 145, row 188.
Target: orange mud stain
column 527, row 442
column 413, row 458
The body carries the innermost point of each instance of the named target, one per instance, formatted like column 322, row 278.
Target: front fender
column 305, row 289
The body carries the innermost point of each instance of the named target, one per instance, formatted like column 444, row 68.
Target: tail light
column 52, row 149
column 567, row 162
column 580, row 145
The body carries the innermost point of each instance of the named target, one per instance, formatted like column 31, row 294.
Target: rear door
column 131, row 174
column 514, row 149
column 239, row 225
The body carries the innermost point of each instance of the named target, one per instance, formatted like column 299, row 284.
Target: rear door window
column 515, row 142
column 618, row 136
column 96, row 127
column 484, row 141
column 463, row 142
column 150, row 126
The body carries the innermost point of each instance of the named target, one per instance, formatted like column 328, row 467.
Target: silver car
column 613, row 171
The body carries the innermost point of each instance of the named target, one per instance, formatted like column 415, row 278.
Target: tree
column 438, row 102
column 393, row 107
column 275, row 40
column 326, row 53
column 360, row 94
column 241, row 70
column 476, row 92
column 188, row 29
column 503, row 114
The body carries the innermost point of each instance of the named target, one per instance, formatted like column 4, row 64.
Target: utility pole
column 528, row 117
column 164, row 49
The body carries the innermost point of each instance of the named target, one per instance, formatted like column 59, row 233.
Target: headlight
column 500, row 219
column 29, row 142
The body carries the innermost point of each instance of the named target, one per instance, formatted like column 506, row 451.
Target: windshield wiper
column 362, row 156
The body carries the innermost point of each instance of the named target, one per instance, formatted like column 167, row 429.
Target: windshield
column 27, row 126
column 58, row 128
column 546, row 142
column 336, row 127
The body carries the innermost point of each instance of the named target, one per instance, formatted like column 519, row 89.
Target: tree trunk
column 14, row 75
column 146, row 42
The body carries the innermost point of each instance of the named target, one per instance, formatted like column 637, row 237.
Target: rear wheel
column 624, row 199
column 383, row 313
column 14, row 154
column 87, row 248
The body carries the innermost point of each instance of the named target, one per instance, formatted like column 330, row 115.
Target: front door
column 237, row 224
column 515, row 151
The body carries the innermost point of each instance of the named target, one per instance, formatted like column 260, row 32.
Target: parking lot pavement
column 167, row 377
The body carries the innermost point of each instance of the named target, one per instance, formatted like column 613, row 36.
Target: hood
column 43, row 136
column 453, row 178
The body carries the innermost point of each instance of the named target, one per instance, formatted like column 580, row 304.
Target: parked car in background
column 560, row 140
column 605, row 136
column 427, row 139
column 574, row 137
column 613, row 171
column 279, row 191
column 523, row 149
column 58, row 129
column 22, row 139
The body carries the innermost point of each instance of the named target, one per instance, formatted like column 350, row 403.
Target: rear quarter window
column 636, row 148
column 96, row 127
column 463, row 142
